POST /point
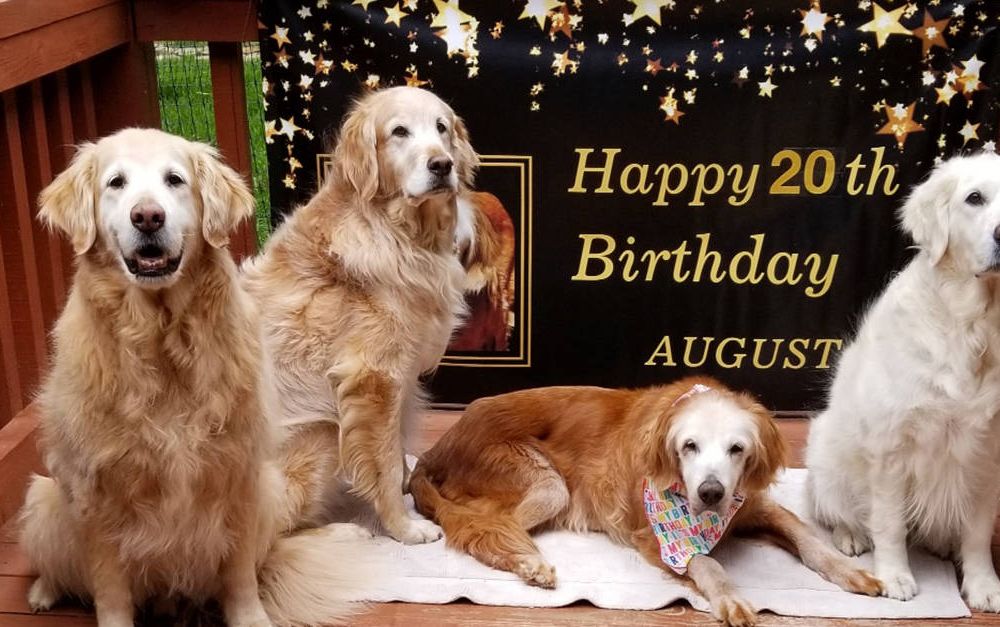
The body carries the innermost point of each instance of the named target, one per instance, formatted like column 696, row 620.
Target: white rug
column 590, row 567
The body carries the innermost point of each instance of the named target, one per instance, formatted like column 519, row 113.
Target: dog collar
column 680, row 534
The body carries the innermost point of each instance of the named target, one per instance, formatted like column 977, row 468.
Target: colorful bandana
column 680, row 534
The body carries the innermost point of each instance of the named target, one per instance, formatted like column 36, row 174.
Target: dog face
column 145, row 201
column 718, row 443
column 955, row 215
column 404, row 142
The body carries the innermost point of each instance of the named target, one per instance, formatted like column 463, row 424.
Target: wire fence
column 186, row 107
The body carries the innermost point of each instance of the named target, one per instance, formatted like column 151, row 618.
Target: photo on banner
column 674, row 186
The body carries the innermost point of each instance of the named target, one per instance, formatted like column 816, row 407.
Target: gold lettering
column 582, row 168
column 662, row 350
column 739, row 356
column 700, row 171
column 586, row 255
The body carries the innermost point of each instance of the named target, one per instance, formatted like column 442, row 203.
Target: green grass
column 186, row 108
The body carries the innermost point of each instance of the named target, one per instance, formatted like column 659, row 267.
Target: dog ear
column 661, row 452
column 925, row 214
column 225, row 199
column 69, row 203
column 767, row 453
column 356, row 154
column 465, row 155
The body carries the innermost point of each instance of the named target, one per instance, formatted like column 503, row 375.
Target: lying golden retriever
column 360, row 290
column 587, row 458
column 487, row 249
column 166, row 483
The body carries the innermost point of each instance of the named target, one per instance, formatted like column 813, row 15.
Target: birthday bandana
column 682, row 535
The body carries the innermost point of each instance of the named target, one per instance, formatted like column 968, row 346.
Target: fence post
column 232, row 130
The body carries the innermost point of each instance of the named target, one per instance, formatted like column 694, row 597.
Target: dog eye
column 441, row 127
column 975, row 198
column 735, row 449
column 117, row 181
column 400, row 131
column 690, row 447
column 173, row 179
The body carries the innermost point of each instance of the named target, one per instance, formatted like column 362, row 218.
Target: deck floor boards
column 15, row 580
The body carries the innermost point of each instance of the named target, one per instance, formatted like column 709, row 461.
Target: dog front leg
column 980, row 585
column 708, row 577
column 113, row 600
column 241, row 603
column 887, row 525
column 788, row 530
column 370, row 405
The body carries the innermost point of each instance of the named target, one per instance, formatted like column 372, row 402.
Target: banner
column 678, row 186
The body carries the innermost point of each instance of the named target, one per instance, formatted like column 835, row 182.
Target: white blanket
column 590, row 567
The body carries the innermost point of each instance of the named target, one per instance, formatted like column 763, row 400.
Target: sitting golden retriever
column 360, row 289
column 166, row 483
column 587, row 458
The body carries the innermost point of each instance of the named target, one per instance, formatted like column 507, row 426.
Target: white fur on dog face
column 148, row 169
column 955, row 214
column 712, row 437
column 414, row 127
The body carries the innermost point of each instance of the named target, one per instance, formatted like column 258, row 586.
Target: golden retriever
column 166, row 483
column 577, row 458
column 487, row 249
column 908, row 448
column 360, row 289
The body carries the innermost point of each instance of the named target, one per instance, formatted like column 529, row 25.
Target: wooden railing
column 73, row 70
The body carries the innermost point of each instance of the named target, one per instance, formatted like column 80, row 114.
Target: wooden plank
column 19, row 248
column 38, row 166
column 13, row 561
column 19, row 459
column 14, row 600
column 196, row 20
column 35, row 53
column 125, row 78
column 82, row 103
column 18, row 16
column 47, row 620
column 10, row 381
column 232, row 130
column 62, row 143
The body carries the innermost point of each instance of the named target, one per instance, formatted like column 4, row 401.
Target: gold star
column 323, row 66
column 538, row 10
column 288, row 128
column 972, row 66
column 362, row 3
column 899, row 122
column 393, row 15
column 289, row 181
column 766, row 88
column 561, row 62
column 692, row 57
column 327, row 25
column 448, row 14
column 884, row 23
column 814, row 22
column 835, row 81
column 668, row 104
column 945, row 94
column 969, row 132
column 653, row 66
column 410, row 5
column 650, row 9
column 413, row 78
column 347, row 65
column 281, row 36
column 281, row 57
column 269, row 131
column 931, row 34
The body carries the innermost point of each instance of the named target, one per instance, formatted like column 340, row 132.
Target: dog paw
column 347, row 532
column 982, row 593
column 418, row 532
column 734, row 611
column 536, row 572
column 898, row 585
column 850, row 543
column 42, row 596
column 858, row 581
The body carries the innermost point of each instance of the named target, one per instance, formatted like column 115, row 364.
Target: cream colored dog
column 908, row 449
column 166, row 481
column 360, row 289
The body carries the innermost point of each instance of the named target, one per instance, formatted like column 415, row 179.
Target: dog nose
column 711, row 492
column 996, row 234
column 440, row 166
column 148, row 217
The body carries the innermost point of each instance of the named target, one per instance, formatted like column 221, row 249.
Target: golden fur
column 166, row 481
column 360, row 289
column 488, row 255
column 575, row 458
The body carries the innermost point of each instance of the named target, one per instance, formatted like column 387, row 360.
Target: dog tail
column 452, row 516
column 320, row 576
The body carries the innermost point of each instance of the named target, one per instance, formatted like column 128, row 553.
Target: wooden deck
column 18, row 456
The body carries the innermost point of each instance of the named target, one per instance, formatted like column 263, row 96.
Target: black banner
column 683, row 185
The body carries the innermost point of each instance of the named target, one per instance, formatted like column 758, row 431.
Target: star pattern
column 885, row 23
